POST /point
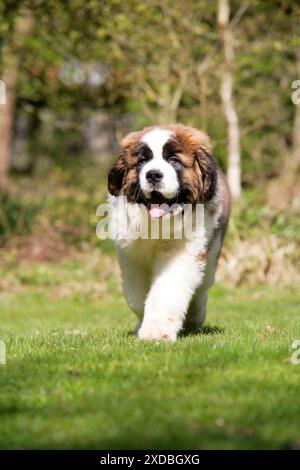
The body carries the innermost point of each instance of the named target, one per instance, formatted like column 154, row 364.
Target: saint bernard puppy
column 165, row 281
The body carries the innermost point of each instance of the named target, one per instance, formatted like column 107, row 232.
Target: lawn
column 76, row 377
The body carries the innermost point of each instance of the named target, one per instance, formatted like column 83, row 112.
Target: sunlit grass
column 77, row 378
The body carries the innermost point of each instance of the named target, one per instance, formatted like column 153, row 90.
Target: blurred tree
column 155, row 49
column 11, row 58
column 234, row 158
column 296, row 126
column 161, row 61
column 265, row 69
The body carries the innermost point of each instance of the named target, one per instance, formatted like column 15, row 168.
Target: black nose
column 154, row 176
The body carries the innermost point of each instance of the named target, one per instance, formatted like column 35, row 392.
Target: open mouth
column 159, row 206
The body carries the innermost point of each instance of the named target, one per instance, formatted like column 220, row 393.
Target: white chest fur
column 161, row 276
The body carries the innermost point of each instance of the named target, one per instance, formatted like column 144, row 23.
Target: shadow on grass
column 206, row 330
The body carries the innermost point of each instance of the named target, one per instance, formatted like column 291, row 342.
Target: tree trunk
column 11, row 59
column 97, row 132
column 226, row 91
column 296, row 126
column 203, row 100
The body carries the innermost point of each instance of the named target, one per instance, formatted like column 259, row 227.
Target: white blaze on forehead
column 156, row 140
column 168, row 186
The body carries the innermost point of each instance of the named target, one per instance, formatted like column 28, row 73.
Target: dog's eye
column 174, row 161
column 142, row 160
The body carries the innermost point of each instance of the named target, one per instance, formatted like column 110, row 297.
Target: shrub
column 17, row 216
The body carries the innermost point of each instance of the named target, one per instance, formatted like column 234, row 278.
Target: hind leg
column 197, row 311
column 197, row 308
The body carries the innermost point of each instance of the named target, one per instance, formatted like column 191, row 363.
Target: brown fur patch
column 123, row 175
column 194, row 150
column 190, row 138
column 225, row 200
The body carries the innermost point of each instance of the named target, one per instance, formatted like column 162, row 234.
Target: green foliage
column 254, row 216
column 17, row 216
column 163, row 64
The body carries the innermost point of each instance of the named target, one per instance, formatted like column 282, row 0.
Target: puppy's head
column 164, row 164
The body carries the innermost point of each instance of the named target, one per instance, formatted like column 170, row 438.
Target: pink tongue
column 156, row 212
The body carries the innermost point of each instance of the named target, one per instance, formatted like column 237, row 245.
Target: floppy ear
column 208, row 168
column 116, row 175
column 198, row 144
column 119, row 170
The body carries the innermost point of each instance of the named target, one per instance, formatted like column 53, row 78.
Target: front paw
column 156, row 334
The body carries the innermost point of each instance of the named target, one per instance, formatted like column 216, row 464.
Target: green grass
column 77, row 378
